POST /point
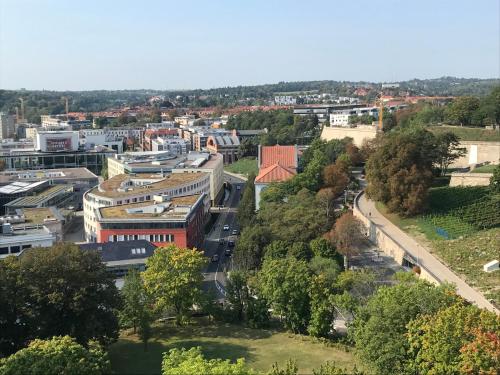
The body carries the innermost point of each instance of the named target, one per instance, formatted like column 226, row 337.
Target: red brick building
column 161, row 221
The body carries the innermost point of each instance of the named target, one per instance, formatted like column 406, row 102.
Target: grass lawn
column 260, row 348
column 468, row 133
column 484, row 169
column 243, row 166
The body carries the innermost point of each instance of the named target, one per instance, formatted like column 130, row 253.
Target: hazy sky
column 111, row 44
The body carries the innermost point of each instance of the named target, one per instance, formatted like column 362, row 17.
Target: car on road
column 225, row 227
column 222, row 241
column 230, row 243
column 235, row 232
column 228, row 252
column 215, row 258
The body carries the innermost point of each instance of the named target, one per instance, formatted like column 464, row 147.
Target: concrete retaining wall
column 470, row 179
column 478, row 153
column 358, row 134
column 389, row 245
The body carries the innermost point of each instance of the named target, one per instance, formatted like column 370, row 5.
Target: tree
column 482, row 354
column 58, row 355
column 399, row 171
column 329, row 368
column 290, row 368
column 69, row 292
column 284, row 283
column 246, row 208
column 462, row 110
column 237, row 292
column 326, row 200
column 250, row 247
column 335, row 178
column 192, row 361
column 173, row 278
column 448, row 150
column 321, row 247
column 436, row 340
column 379, row 328
column 276, row 250
column 346, row 235
column 136, row 311
column 322, row 311
column 104, row 170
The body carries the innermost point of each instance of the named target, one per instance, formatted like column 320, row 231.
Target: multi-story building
column 166, row 163
column 89, row 138
column 322, row 111
column 174, row 145
column 62, row 122
column 185, row 120
column 285, row 100
column 226, row 145
column 161, row 221
column 137, row 188
column 7, row 129
column 26, row 130
column 151, row 134
column 21, row 159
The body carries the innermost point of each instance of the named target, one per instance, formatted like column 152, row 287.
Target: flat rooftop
column 38, row 215
column 40, row 198
column 152, row 160
column 176, row 209
column 49, row 174
column 19, row 187
column 153, row 182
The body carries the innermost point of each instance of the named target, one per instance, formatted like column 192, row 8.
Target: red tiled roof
column 286, row 156
column 275, row 173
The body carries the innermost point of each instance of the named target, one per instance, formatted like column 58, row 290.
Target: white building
column 285, row 100
column 89, row 138
column 15, row 239
column 174, row 145
column 55, row 141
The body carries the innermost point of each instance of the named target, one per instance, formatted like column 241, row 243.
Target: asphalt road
column 215, row 278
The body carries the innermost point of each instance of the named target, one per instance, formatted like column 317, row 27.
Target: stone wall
column 358, row 134
column 387, row 244
column 478, row 153
column 470, row 179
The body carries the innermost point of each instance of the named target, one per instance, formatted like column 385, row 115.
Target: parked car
column 228, row 252
column 222, row 241
column 215, row 258
column 235, row 232
column 225, row 227
column 230, row 243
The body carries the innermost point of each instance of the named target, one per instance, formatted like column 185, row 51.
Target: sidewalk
column 417, row 251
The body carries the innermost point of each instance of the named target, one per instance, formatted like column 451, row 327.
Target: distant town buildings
column 7, row 129
column 227, row 145
column 285, row 100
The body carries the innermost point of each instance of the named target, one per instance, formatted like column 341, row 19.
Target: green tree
column 482, row 354
column 285, row 284
column 436, row 340
column 379, row 329
column 329, row 368
column 104, row 169
column 136, row 311
column 173, row 278
column 237, row 292
column 69, row 292
column 462, row 109
column 55, row 356
column 192, row 361
column 399, row 171
column 289, row 369
column 322, row 311
column 276, row 250
column 448, row 150
column 321, row 247
column 246, row 208
column 250, row 247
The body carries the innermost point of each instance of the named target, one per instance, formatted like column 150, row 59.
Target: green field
column 260, row 348
column 244, row 166
column 484, row 169
column 468, row 133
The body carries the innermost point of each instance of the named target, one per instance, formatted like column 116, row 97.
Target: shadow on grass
column 129, row 357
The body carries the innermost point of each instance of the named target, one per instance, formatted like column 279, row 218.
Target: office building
column 227, row 145
column 7, row 122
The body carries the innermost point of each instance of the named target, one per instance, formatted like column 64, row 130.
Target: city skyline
column 169, row 46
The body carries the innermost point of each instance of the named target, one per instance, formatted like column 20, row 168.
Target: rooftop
column 121, row 251
column 175, row 208
column 20, row 187
column 49, row 174
column 124, row 185
column 156, row 161
column 286, row 156
column 40, row 198
column 275, row 173
column 38, row 215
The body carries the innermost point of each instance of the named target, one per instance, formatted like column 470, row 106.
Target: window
column 143, row 250
column 133, row 251
column 15, row 249
column 4, row 250
column 120, row 238
column 110, row 238
column 162, row 238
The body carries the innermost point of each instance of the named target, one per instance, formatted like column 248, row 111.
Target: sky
column 188, row 44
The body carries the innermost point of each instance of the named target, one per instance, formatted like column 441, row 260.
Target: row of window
column 147, row 237
column 13, row 249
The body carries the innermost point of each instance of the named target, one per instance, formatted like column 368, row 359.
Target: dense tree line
column 465, row 110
